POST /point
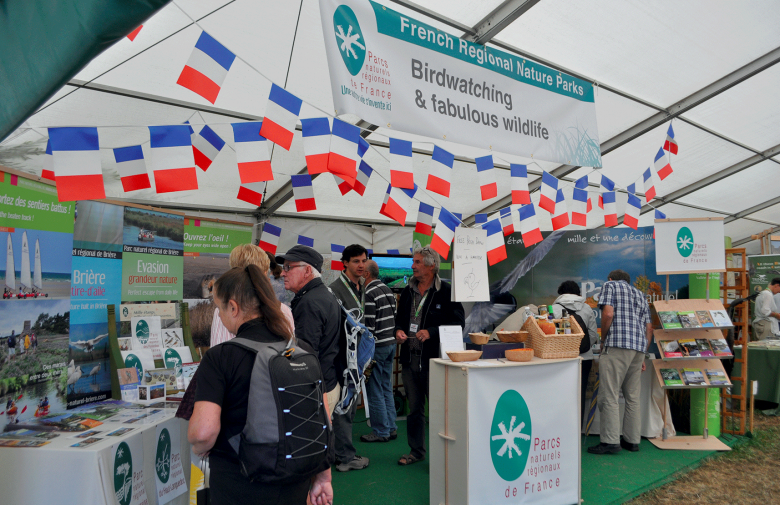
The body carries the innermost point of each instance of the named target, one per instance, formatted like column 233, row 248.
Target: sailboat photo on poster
column 31, row 267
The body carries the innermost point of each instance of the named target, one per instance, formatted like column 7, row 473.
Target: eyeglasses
column 287, row 267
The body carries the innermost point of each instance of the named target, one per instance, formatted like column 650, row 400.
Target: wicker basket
column 553, row 346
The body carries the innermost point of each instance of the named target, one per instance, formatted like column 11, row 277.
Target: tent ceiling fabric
column 645, row 57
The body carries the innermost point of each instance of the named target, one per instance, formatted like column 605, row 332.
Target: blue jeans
column 381, row 406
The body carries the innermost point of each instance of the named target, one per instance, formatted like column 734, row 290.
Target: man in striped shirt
column 380, row 320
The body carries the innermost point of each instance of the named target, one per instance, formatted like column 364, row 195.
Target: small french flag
column 631, row 188
column 529, row 225
column 303, row 192
column 560, row 217
column 206, row 145
column 48, row 163
column 269, row 240
column 132, row 168
column 670, row 144
column 281, row 114
column 316, row 144
column 610, row 209
column 424, row 219
column 658, row 215
column 363, row 175
column 77, row 168
column 397, row 252
column 252, row 193
column 506, row 221
column 549, row 192
column 607, row 184
column 487, row 177
column 173, row 164
column 662, row 166
column 132, row 35
column 631, row 218
column 649, row 185
column 397, row 203
column 440, row 174
column 401, row 166
column 207, row 68
column 343, row 158
column 520, row 194
column 307, row 241
column 480, row 219
column 336, row 250
column 445, row 232
column 496, row 248
column 580, row 201
column 254, row 164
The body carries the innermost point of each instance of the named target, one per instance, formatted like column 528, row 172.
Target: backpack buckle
column 288, row 352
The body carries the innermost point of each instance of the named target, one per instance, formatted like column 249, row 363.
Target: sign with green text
column 212, row 237
column 33, row 205
column 151, row 277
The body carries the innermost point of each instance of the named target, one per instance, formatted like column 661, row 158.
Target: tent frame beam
column 501, row 17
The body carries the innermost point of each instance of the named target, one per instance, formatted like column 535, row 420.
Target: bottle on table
column 566, row 322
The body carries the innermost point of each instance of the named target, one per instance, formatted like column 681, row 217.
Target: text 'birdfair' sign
column 689, row 246
column 523, row 447
column 391, row 69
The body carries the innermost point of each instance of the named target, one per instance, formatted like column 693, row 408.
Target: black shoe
column 603, row 448
column 393, row 435
column 629, row 447
column 373, row 437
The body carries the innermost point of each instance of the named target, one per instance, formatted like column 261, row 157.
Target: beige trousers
column 620, row 369
column 762, row 329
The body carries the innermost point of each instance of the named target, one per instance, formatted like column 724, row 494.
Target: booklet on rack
column 694, row 377
column 720, row 347
column 705, row 319
column 720, row 318
column 671, row 377
column 688, row 319
column 670, row 348
column 704, row 347
column 689, row 348
column 669, row 320
column 716, row 377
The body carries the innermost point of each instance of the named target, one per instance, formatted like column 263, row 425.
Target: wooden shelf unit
column 733, row 420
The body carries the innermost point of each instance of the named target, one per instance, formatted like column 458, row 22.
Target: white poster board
column 693, row 245
column 127, row 311
column 147, row 335
column 168, row 471
column 512, row 411
column 469, row 266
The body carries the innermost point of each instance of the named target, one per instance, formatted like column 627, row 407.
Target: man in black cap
column 315, row 310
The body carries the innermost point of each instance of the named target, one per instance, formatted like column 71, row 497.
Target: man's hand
column 644, row 367
column 423, row 335
column 400, row 336
column 321, row 492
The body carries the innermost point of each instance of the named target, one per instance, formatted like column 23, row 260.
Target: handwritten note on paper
column 469, row 266
column 450, row 339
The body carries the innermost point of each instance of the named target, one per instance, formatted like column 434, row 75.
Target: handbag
column 202, row 496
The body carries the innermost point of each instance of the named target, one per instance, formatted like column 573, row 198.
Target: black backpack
column 12, row 341
column 287, row 437
column 585, row 342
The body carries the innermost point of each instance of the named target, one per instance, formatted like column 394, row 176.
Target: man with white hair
column 424, row 306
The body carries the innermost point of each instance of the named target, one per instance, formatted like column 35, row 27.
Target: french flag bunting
column 631, row 218
column 529, row 225
column 662, row 166
column 649, row 185
column 48, row 163
column 344, row 186
column 440, row 175
column 303, row 192
column 207, row 68
column 560, row 218
column 343, row 158
column 336, row 251
column 307, row 241
column 77, row 168
column 670, row 144
column 363, row 174
column 506, row 221
column 487, row 177
column 444, row 233
column 496, row 248
column 252, row 193
column 607, row 184
column 281, row 114
column 132, row 35
column 610, row 209
column 459, row 217
column 480, row 219
column 582, row 183
column 132, row 168
column 659, row 214
column 316, row 144
column 254, row 163
column 397, row 252
column 269, row 239
column 206, row 145
column 579, row 207
column 383, row 208
column 398, row 203
column 401, row 166
column 424, row 219
column 549, row 192
column 173, row 164
column 520, row 195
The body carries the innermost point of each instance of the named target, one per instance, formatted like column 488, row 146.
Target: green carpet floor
column 605, row 479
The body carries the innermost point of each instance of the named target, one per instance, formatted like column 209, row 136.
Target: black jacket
column 317, row 318
column 437, row 311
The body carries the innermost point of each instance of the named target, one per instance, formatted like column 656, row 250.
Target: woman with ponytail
column 248, row 309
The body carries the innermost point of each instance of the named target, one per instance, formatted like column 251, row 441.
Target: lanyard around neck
column 419, row 307
column 352, row 292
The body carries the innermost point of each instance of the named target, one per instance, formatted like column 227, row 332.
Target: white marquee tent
column 711, row 67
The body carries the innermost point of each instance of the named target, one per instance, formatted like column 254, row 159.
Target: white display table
column 58, row 473
column 504, row 432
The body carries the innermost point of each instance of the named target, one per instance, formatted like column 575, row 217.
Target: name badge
column 413, row 328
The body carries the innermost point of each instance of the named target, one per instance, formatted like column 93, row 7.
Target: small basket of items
column 554, row 338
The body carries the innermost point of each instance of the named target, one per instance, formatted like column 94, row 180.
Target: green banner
column 151, row 277
column 32, row 205
column 212, row 237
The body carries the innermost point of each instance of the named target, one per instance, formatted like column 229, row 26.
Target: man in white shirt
column 765, row 323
